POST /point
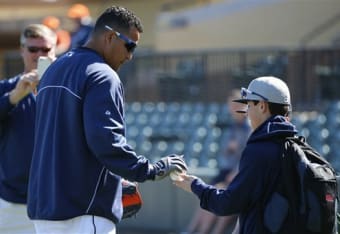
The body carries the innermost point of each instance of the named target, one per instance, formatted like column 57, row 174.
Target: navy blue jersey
column 80, row 151
column 16, row 143
column 258, row 170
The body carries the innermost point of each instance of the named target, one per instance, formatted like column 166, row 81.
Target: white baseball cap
column 266, row 88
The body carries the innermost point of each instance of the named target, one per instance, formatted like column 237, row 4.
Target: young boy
column 268, row 101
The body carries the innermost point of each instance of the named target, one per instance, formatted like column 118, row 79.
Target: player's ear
column 109, row 36
column 264, row 106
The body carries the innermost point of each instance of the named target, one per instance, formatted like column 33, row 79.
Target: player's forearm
column 15, row 96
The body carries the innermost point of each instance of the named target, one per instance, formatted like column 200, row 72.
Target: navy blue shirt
column 80, row 151
column 258, row 170
column 16, row 143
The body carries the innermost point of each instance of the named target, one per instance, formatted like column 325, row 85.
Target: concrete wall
column 248, row 23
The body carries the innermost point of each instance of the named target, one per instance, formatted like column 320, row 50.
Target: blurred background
column 191, row 55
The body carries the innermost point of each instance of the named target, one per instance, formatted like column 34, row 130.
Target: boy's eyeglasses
column 36, row 49
column 245, row 92
column 130, row 45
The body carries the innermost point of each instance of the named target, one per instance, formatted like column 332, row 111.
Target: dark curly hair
column 118, row 18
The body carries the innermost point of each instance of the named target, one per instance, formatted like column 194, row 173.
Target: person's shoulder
column 95, row 64
column 266, row 150
column 100, row 70
column 84, row 55
column 264, row 145
column 87, row 27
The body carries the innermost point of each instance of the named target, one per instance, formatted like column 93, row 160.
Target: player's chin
column 116, row 67
column 120, row 64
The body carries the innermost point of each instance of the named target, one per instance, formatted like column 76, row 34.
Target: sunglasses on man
column 130, row 45
column 36, row 49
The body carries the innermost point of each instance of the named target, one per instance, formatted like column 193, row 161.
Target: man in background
column 17, row 116
column 80, row 15
column 63, row 36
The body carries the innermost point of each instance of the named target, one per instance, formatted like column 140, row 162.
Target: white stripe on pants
column 86, row 224
column 14, row 219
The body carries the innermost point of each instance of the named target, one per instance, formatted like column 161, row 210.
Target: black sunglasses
column 130, row 45
column 35, row 49
column 245, row 92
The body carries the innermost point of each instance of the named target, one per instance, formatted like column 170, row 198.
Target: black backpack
column 305, row 198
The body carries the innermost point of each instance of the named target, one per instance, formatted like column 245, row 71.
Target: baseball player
column 80, row 150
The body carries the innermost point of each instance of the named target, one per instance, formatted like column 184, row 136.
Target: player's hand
column 169, row 164
column 26, row 84
column 185, row 182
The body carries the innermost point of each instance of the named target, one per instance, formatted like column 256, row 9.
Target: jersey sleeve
column 246, row 188
column 5, row 87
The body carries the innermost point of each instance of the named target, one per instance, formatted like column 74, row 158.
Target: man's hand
column 169, row 164
column 26, row 84
column 185, row 182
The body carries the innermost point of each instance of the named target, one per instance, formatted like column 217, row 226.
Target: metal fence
column 312, row 75
column 206, row 76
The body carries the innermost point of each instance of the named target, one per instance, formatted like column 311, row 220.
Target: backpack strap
column 292, row 150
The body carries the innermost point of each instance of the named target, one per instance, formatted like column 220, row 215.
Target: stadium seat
column 198, row 130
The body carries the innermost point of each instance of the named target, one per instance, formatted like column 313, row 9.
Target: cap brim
column 243, row 101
